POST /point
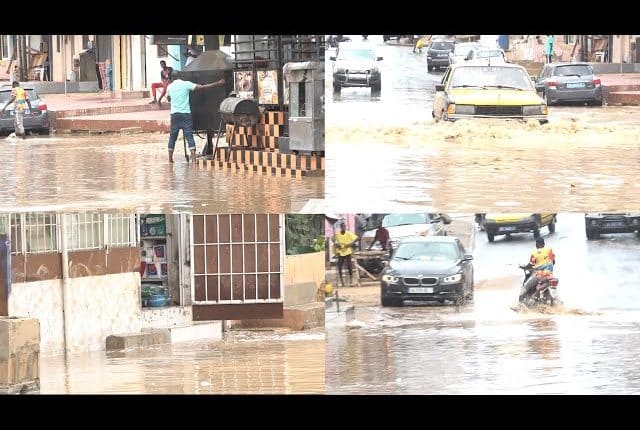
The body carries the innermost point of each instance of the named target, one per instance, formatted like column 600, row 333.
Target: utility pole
column 23, row 58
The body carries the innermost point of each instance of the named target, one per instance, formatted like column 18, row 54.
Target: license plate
column 443, row 55
column 420, row 290
column 616, row 224
column 506, row 229
column 576, row 85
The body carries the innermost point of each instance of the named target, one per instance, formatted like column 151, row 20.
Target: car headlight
column 465, row 109
column 452, row 279
column 594, row 222
column 533, row 110
column 390, row 279
column 451, row 109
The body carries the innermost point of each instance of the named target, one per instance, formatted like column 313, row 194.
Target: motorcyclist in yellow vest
column 344, row 242
column 541, row 261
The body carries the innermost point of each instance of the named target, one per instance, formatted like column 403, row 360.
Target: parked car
column 434, row 268
column 438, row 53
column 486, row 55
column 460, row 51
column 569, row 82
column 397, row 37
column 603, row 223
column 496, row 224
column 356, row 66
column 471, row 90
column 35, row 120
column 401, row 226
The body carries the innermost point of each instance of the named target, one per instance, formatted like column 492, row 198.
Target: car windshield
column 489, row 53
column 573, row 70
column 442, row 46
column 5, row 95
column 490, row 77
column 393, row 220
column 427, row 251
column 356, row 54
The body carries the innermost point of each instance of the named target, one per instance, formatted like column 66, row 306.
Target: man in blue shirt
column 178, row 94
column 548, row 48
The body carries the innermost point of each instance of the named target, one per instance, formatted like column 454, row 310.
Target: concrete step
column 298, row 318
column 127, row 95
column 210, row 330
column 138, row 340
column 111, row 125
column 106, row 110
column 627, row 98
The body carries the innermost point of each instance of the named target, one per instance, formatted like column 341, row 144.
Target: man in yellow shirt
column 21, row 99
column 344, row 242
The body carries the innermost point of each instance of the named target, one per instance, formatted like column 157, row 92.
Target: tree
column 304, row 233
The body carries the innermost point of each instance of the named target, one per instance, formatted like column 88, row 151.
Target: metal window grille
column 255, row 267
column 39, row 232
column 84, row 231
column 121, row 230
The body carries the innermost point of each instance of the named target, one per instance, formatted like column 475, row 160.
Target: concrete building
column 82, row 275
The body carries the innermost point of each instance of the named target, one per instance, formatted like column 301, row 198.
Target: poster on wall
column 268, row 87
column 243, row 84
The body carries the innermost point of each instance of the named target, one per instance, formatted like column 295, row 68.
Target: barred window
column 10, row 225
column 121, row 230
column 40, row 232
column 84, row 231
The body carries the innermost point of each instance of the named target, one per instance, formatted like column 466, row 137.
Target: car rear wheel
column 536, row 233
column 552, row 226
column 336, row 87
column 375, row 89
column 490, row 237
column 44, row 131
column 592, row 234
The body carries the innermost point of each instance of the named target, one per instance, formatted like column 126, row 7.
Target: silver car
column 35, row 120
column 401, row 226
column 569, row 82
column 460, row 51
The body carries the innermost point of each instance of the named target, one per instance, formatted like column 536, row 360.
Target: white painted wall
column 137, row 59
column 98, row 307
column 41, row 300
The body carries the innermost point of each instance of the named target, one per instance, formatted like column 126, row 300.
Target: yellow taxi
column 496, row 224
column 479, row 89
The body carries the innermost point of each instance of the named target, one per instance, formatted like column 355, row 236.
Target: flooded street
column 131, row 173
column 244, row 363
column 389, row 146
column 587, row 347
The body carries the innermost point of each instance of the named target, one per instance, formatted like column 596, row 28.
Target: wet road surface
column 131, row 173
column 588, row 347
column 245, row 363
column 385, row 153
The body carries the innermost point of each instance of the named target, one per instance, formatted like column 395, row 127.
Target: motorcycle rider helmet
column 539, row 242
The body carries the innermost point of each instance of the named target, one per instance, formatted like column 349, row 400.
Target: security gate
column 237, row 266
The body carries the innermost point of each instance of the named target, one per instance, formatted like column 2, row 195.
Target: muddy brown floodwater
column 244, row 363
column 131, row 173
column 497, row 166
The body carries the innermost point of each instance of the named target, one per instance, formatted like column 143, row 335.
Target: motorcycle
column 545, row 292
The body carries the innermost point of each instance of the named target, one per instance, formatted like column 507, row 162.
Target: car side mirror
column 467, row 257
column 332, row 58
column 380, row 59
column 439, row 87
